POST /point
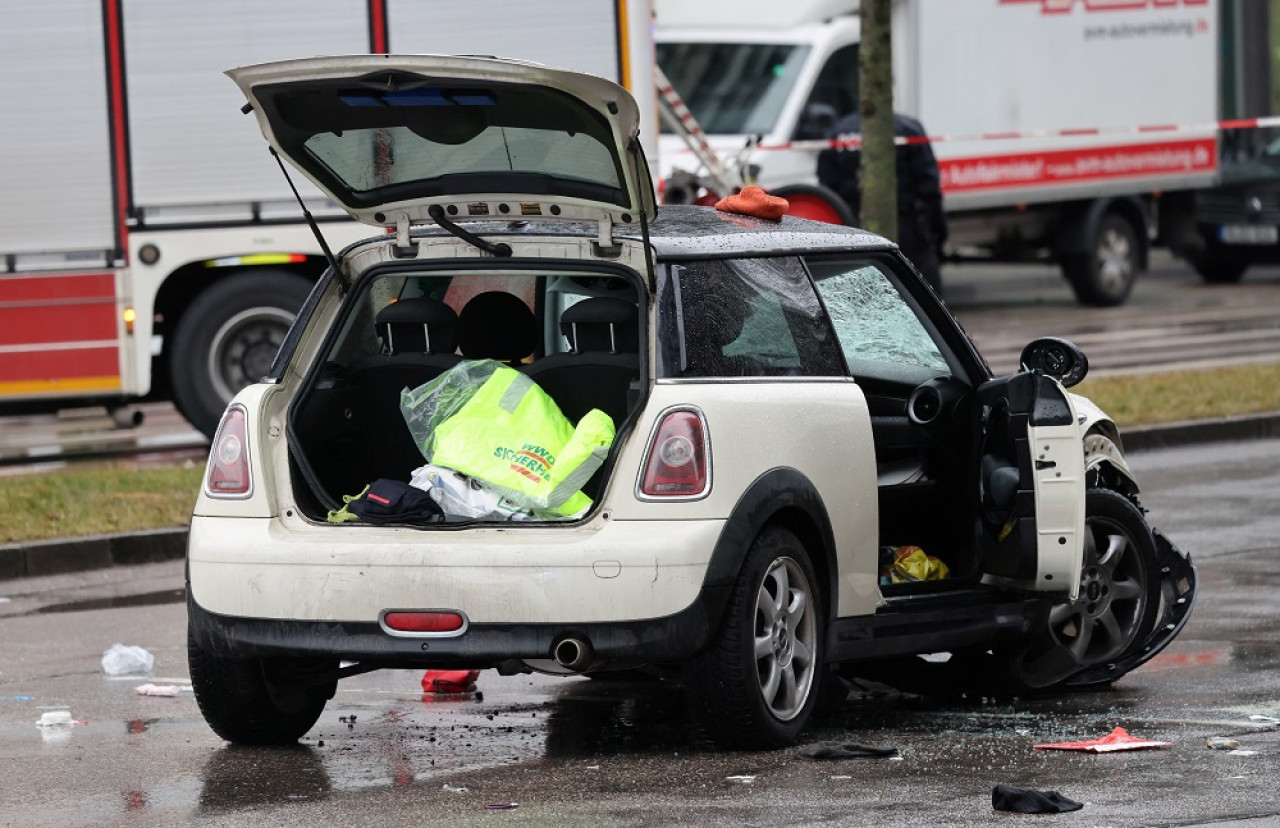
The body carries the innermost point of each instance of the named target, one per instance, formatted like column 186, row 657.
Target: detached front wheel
column 757, row 685
column 1118, row 602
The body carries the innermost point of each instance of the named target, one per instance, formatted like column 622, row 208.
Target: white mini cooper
column 809, row 471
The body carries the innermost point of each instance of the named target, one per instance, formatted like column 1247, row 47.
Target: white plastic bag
column 462, row 497
column 120, row 660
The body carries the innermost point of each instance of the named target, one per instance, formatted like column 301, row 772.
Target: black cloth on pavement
column 922, row 224
column 1031, row 801
column 845, row 750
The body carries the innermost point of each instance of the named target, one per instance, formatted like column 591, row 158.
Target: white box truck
column 1071, row 129
column 149, row 245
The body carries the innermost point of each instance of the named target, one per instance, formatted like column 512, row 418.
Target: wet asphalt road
column 580, row 752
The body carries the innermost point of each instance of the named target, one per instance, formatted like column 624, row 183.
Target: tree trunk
column 875, row 66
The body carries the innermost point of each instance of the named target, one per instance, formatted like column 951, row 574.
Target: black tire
column 228, row 338
column 1104, row 276
column 242, row 706
column 758, row 683
column 1217, row 272
column 1118, row 603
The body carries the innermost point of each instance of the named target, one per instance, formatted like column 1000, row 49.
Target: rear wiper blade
column 500, row 249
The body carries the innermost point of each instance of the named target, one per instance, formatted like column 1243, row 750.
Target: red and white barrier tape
column 855, row 140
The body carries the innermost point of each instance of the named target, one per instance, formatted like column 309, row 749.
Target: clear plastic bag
column 122, row 660
column 495, row 425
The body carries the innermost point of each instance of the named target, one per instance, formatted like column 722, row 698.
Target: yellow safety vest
column 492, row 423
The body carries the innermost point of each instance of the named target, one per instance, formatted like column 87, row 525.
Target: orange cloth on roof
column 753, row 201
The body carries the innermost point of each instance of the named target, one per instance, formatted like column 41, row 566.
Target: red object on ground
column 753, row 201
column 449, row 681
column 1118, row 739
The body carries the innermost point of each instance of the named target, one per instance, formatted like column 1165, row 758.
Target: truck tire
column 813, row 201
column 759, row 681
column 1104, row 276
column 228, row 338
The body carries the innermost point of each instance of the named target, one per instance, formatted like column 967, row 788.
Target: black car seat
column 497, row 325
column 603, row 366
column 418, row 342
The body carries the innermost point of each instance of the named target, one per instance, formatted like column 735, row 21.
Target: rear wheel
column 1104, row 276
column 257, row 701
column 1118, row 602
column 228, row 338
column 758, row 683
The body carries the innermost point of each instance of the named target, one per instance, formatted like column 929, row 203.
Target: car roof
column 690, row 232
column 686, row 231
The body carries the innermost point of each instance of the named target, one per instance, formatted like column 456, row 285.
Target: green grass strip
column 95, row 499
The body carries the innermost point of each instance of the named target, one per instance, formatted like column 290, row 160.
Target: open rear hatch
column 388, row 137
column 416, row 139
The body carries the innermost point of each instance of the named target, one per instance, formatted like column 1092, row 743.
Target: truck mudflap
column 1177, row 595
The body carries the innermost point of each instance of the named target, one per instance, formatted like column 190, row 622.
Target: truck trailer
column 148, row 256
column 1075, row 131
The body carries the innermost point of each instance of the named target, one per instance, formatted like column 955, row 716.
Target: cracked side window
column 876, row 327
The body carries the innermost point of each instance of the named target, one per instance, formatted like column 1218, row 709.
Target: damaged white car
column 533, row 423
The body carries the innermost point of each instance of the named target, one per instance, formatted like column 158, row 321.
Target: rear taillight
column 423, row 622
column 229, row 474
column 678, row 463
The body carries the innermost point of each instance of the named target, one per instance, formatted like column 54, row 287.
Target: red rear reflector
column 676, row 464
column 423, row 622
column 228, row 474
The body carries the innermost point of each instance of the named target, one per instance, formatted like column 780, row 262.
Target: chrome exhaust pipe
column 573, row 653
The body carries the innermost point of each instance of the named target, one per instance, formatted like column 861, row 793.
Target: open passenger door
column 1031, row 484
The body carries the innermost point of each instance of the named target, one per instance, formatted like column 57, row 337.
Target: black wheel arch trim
column 1081, row 227
column 786, row 497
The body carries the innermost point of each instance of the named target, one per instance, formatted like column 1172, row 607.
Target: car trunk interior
column 577, row 334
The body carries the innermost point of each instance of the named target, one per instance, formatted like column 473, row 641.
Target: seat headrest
column 601, row 323
column 497, row 325
column 417, row 326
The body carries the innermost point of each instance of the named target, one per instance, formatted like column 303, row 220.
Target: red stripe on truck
column 38, row 310
column 51, row 366
column 1030, row 169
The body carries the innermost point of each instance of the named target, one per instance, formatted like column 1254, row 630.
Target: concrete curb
column 1168, row 435
column 56, row 557
column 19, row 560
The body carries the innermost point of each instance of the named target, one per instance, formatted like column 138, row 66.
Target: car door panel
column 1031, row 484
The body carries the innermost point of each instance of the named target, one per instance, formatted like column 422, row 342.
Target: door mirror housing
column 1055, row 358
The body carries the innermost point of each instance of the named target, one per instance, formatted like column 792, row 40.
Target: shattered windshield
column 874, row 324
column 733, row 88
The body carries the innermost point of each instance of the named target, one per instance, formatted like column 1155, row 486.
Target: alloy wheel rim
column 785, row 638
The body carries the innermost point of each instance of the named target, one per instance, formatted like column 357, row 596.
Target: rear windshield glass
column 733, row 88
column 743, row 318
column 374, row 142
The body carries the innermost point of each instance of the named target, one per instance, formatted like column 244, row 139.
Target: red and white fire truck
column 149, row 246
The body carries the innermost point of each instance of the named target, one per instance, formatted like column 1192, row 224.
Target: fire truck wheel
column 813, row 201
column 228, row 338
